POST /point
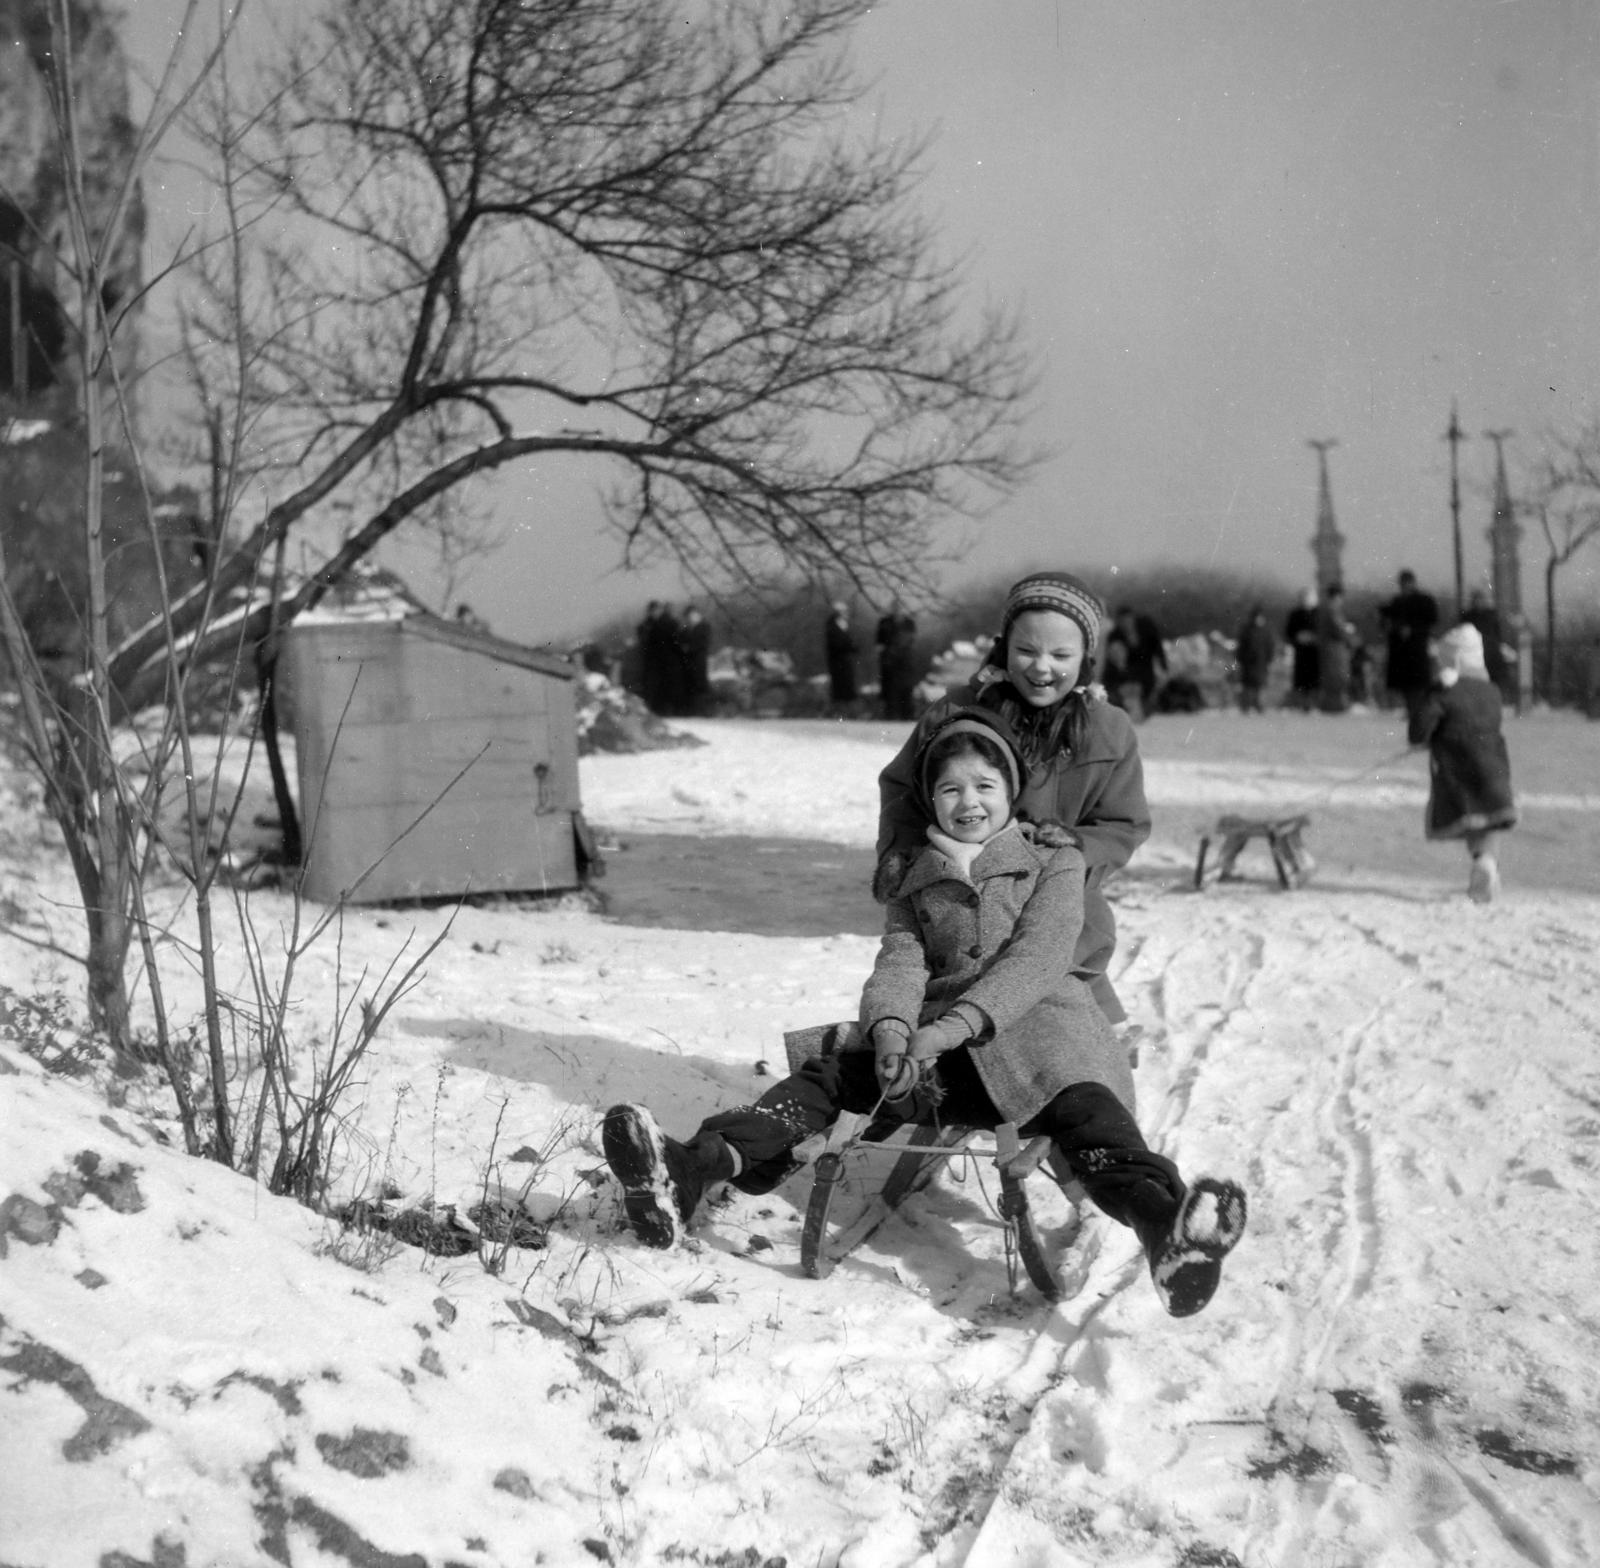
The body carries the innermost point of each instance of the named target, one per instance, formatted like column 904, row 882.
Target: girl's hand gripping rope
column 897, row 1073
column 903, row 1063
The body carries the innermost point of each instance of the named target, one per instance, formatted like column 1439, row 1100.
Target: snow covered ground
column 1398, row 1369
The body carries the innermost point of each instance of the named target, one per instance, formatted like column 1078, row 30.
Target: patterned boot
column 1186, row 1258
column 662, row 1180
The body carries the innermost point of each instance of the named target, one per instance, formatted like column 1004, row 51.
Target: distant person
column 897, row 679
column 1408, row 622
column 693, row 650
column 647, row 677
column 1136, row 657
column 1336, row 636
column 659, row 661
column 1497, row 656
column 1300, row 632
column 971, row 1017
column 839, row 649
column 1469, row 768
column 1363, row 678
column 1254, row 653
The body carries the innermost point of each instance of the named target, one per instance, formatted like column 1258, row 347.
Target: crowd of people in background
column 674, row 658
column 1330, row 665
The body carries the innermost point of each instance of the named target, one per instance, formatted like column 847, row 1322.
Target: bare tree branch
column 647, row 234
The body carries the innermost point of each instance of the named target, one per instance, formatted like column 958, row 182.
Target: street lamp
column 1455, row 436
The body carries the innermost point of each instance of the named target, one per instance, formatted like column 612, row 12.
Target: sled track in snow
column 1068, row 1351
column 1313, row 1415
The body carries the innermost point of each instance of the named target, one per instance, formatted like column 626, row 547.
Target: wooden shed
column 434, row 760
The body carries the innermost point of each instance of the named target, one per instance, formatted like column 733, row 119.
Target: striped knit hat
column 1063, row 593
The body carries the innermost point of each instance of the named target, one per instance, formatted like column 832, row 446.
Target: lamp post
column 1455, row 436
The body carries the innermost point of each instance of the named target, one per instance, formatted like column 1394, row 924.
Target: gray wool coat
column 1001, row 938
column 1098, row 793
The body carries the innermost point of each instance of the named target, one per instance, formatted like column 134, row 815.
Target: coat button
column 975, row 951
column 973, row 900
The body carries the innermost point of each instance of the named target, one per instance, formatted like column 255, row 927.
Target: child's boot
column 1483, row 886
column 662, row 1180
column 1186, row 1253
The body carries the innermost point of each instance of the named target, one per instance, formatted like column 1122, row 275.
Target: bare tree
column 1566, row 501
column 104, row 811
column 651, row 235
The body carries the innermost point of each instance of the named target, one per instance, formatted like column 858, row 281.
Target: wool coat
column 1469, row 767
column 1409, row 619
column 1255, row 648
column 1001, row 937
column 1097, row 792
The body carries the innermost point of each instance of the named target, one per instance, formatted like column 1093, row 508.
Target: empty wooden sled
column 1283, row 836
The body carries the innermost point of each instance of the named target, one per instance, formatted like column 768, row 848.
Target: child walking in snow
column 1082, row 780
column 1459, row 722
column 971, row 1014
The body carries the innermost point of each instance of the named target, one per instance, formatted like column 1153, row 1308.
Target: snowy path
column 1346, row 1402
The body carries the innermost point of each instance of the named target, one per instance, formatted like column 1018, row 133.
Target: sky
column 1229, row 228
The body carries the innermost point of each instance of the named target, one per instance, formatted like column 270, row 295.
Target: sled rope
column 1364, row 772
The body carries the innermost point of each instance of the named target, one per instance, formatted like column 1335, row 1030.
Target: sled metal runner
column 916, row 1161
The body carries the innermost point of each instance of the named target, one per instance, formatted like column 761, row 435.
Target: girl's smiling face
column 971, row 799
column 1044, row 656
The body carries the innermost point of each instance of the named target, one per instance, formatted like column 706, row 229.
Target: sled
column 913, row 1160
column 915, row 1163
column 1290, row 858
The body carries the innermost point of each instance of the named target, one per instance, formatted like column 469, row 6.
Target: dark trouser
column 1410, row 698
column 1089, row 1126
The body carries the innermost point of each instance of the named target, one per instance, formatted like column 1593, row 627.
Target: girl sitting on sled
column 973, row 1016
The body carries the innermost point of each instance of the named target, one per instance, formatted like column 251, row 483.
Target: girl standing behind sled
column 972, row 1017
column 1082, row 780
column 1470, row 770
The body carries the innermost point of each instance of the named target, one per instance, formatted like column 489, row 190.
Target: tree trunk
column 293, row 846
column 1550, row 568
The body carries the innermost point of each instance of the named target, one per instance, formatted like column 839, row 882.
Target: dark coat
column 1256, row 648
column 1097, row 792
column 693, row 648
column 1467, row 759
column 1001, row 938
column 1138, row 655
column 1300, row 632
column 839, row 643
column 1336, row 636
column 1409, row 619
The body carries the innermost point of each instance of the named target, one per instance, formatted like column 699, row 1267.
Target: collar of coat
column 1007, row 854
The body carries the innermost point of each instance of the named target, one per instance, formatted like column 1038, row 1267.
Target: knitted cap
column 973, row 721
column 1461, row 648
column 1063, row 593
